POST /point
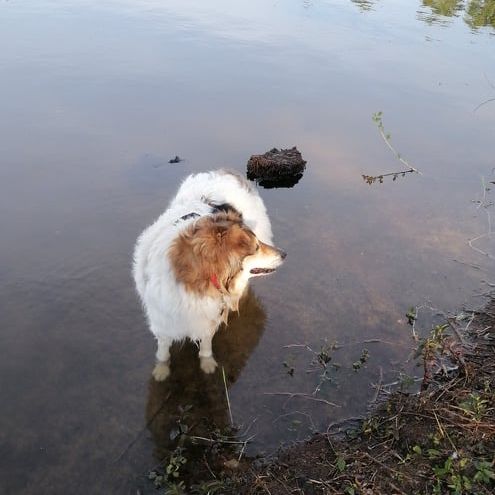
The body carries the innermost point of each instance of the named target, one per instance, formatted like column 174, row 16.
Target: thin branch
column 377, row 117
column 488, row 80
column 485, row 205
column 378, row 386
column 483, row 103
column 227, row 396
column 472, row 265
column 291, row 395
column 296, row 412
column 218, row 440
column 454, row 329
column 146, row 426
column 396, row 153
column 388, row 468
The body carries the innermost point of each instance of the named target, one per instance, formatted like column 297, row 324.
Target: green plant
column 411, row 315
column 456, row 475
column 370, row 179
column 340, row 464
column 451, row 473
column 350, row 490
column 175, row 463
column 370, row 425
column 362, row 360
column 176, row 489
column 484, row 472
column 474, row 406
column 212, row 487
column 289, row 365
column 324, row 356
column 405, row 381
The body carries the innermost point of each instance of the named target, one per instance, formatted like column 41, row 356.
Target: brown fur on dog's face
column 214, row 246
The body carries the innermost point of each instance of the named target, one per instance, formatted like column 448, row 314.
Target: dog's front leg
column 162, row 368
column 206, row 359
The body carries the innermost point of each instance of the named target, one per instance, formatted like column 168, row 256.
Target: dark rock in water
column 177, row 159
column 276, row 168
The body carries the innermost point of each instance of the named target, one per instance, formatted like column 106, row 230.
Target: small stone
column 231, row 464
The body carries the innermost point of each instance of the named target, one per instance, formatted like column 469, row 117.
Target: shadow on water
column 285, row 182
column 189, row 410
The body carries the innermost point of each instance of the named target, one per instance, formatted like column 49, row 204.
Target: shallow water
column 96, row 99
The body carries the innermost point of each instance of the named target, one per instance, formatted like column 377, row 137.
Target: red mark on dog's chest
column 215, row 282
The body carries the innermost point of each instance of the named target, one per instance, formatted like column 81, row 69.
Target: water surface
column 97, row 98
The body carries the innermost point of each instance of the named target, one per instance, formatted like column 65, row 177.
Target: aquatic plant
column 371, row 179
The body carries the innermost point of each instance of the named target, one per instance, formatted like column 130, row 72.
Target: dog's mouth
column 261, row 271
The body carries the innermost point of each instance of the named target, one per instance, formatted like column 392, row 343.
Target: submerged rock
column 276, row 168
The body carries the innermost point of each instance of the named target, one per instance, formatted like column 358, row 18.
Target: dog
column 191, row 397
column 192, row 266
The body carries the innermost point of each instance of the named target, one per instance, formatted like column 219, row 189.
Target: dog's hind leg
column 206, row 359
column 162, row 367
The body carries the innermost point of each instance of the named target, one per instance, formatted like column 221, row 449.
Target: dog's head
column 218, row 251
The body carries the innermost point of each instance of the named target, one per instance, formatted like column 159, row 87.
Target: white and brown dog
column 192, row 266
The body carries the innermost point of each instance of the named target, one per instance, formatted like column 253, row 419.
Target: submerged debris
column 276, row 168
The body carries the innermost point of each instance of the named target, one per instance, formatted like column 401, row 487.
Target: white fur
column 171, row 311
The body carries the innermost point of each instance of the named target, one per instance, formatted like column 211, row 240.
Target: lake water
column 96, row 97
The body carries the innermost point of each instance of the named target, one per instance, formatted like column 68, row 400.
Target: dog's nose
column 283, row 254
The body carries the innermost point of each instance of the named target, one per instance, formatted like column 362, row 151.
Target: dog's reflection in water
column 190, row 401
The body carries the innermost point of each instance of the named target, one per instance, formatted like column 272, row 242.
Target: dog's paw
column 208, row 364
column 161, row 371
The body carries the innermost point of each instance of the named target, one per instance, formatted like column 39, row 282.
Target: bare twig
column 370, row 179
column 142, row 430
column 488, row 80
column 444, row 433
column 219, row 440
column 378, row 386
column 242, row 452
column 472, row 265
column 387, row 468
column 291, row 395
column 377, row 118
column 227, row 396
column 483, row 103
column 454, row 329
column 296, row 412
column 483, row 203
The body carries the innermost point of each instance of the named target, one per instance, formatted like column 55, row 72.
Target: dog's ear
column 241, row 241
column 206, row 241
column 209, row 254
